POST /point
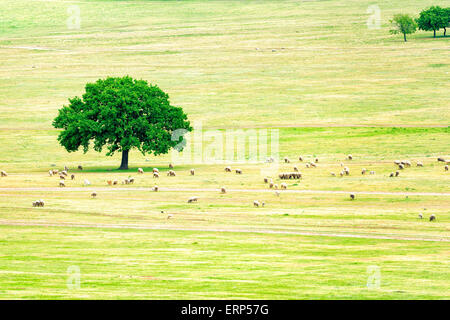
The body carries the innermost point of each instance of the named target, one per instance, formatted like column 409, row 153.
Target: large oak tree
column 121, row 114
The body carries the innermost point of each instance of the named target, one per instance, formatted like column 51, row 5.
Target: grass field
column 311, row 69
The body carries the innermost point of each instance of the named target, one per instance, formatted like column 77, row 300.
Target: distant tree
column 447, row 11
column 433, row 18
column 403, row 23
column 122, row 114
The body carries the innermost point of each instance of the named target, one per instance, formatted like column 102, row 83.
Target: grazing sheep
column 341, row 173
column 363, row 171
column 115, row 182
column 266, row 180
column 432, row 217
column 397, row 173
column 446, row 167
column 352, row 196
column 312, row 164
column 270, row 160
column 406, row 163
column 350, row 157
column 64, row 173
column 227, row 169
column 256, row 203
column 391, row 175
column 277, row 193
column 263, row 204
column 155, row 170
column 155, row 175
column 300, row 158
column 50, row 173
column 192, row 171
column 131, row 180
column 62, row 177
column 238, row 171
column 66, row 168
column 342, row 164
column 307, row 165
column 419, row 164
column 271, row 184
column 38, row 203
column 93, row 194
column 72, row 177
column 397, row 162
column 170, row 166
column 420, row 216
column 286, row 160
column 372, row 172
column 346, row 171
column 80, row 167
column 275, row 186
column 155, row 188
column 441, row 159
column 333, row 174
column 109, row 182
column 61, row 183
column 169, row 216
column 193, row 199
column 290, row 175
column 171, row 173
column 87, row 182
column 223, row 190
column 140, row 170
column 316, row 160
column 283, row 185
column 55, row 171
column 295, row 169
column 3, row 173
column 401, row 166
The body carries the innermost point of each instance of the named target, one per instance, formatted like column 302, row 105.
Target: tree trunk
column 124, row 164
column 434, row 33
column 404, row 36
column 445, row 31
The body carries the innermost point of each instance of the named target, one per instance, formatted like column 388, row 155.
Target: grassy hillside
column 312, row 70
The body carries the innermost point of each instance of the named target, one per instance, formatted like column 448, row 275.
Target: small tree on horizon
column 121, row 114
column 433, row 19
column 403, row 23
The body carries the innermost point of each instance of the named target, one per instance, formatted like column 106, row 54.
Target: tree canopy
column 121, row 114
column 433, row 19
column 403, row 23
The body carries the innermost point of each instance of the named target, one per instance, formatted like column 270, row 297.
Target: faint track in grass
column 90, row 188
column 226, row 230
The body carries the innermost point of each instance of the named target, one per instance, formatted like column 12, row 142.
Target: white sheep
column 3, row 173
column 350, row 157
column 446, row 167
column 363, row 171
column 286, row 160
column 140, row 170
column 155, row 189
column 87, row 182
column 419, row 164
column 155, row 174
column 61, row 183
column 256, row 203
column 50, row 173
column 432, row 217
column 333, row 174
column 155, row 170
column 283, row 185
column 372, row 172
column 227, row 169
column 223, row 190
column 238, row 171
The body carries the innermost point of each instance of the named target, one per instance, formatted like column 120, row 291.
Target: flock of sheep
column 296, row 174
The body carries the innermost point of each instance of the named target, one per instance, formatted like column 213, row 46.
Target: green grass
column 312, row 70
